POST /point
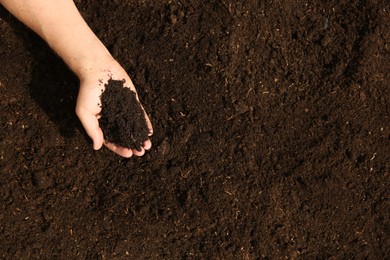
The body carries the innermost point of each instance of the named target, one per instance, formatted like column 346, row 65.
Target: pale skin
column 60, row 24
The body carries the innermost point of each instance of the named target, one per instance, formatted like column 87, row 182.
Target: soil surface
column 271, row 135
column 122, row 118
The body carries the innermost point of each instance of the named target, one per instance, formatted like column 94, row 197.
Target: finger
column 124, row 152
column 139, row 153
column 91, row 126
column 147, row 144
column 148, row 123
column 150, row 127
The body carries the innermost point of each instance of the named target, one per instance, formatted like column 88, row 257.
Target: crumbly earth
column 122, row 118
column 271, row 135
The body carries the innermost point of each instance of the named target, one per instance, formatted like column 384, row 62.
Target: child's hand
column 88, row 105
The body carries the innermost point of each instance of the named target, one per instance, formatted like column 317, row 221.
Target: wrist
column 90, row 64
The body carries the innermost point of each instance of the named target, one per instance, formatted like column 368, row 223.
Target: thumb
column 91, row 126
column 97, row 139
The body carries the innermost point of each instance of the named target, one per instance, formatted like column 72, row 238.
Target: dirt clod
column 122, row 117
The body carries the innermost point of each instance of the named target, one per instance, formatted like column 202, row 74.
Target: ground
column 271, row 135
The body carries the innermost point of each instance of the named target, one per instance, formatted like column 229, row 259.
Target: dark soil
column 271, row 135
column 122, row 118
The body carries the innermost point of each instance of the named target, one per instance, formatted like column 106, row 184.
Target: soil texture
column 271, row 135
column 122, row 118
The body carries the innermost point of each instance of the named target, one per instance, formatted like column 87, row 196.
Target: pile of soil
column 122, row 118
column 271, row 135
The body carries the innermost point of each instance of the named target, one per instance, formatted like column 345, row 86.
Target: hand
column 85, row 55
column 88, row 105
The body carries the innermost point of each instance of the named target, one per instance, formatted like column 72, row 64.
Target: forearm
column 60, row 24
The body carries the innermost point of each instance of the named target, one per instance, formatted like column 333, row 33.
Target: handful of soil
column 122, row 117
